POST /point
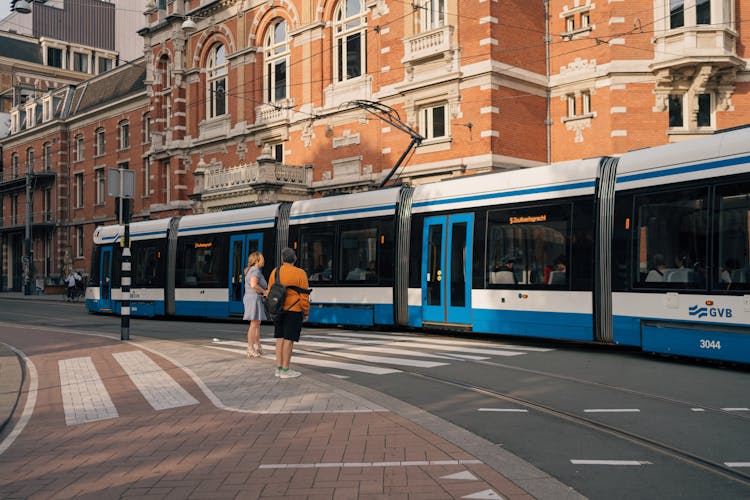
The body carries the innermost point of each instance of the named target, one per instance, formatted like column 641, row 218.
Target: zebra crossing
column 378, row 353
column 86, row 398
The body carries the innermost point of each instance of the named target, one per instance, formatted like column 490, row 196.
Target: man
column 288, row 325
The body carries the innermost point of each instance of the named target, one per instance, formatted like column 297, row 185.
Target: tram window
column 201, row 262
column 95, row 263
column 528, row 247
column 148, row 267
column 733, row 238
column 359, row 254
column 672, row 239
column 316, row 253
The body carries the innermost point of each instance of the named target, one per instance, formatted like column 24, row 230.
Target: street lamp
column 24, row 6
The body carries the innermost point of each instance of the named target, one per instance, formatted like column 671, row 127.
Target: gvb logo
column 701, row 311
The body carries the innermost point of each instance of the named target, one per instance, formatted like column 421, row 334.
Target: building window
column 29, row 160
column 146, row 177
column 675, row 111
column 14, row 164
column 216, row 82
column 54, row 57
column 47, row 109
column 585, row 20
column 585, row 102
column 99, row 175
column 80, row 62
column 703, row 119
column 79, row 147
column 105, row 65
column 571, row 100
column 676, row 13
column 570, row 23
column 276, row 55
column 278, row 152
column 123, row 129
column 79, row 242
column 99, row 141
column 350, row 28
column 433, row 122
column 47, row 151
column 433, row 14
column 47, row 205
column 14, row 209
column 702, row 11
column 146, row 128
column 78, row 184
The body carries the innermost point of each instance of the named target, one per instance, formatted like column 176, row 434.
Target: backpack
column 274, row 301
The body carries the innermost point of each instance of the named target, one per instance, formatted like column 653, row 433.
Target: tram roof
column 242, row 219
column 717, row 155
column 346, row 206
column 143, row 230
column 564, row 179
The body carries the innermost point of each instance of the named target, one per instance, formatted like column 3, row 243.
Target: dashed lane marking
column 85, row 399
column 412, row 463
column 612, row 410
column 609, row 462
column 157, row 386
column 511, row 410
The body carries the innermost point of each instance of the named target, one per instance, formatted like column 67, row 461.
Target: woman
column 255, row 287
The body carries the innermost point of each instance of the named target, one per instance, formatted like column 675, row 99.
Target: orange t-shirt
column 290, row 275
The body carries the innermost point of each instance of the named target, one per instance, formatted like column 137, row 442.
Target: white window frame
column 146, row 128
column 123, row 132
column 433, row 14
column 99, row 179
column 47, row 155
column 30, row 109
column 79, row 242
column 78, row 185
column 571, row 104
column 585, row 103
column 100, row 143
column 346, row 25
column 570, row 24
column 427, row 122
column 47, row 108
column 216, row 81
column 79, row 147
column 29, row 159
column 276, row 52
column 85, row 59
column 14, row 164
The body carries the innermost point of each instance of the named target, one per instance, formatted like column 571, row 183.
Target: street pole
column 126, row 266
column 27, row 241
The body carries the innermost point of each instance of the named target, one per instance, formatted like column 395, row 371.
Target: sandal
column 252, row 353
column 259, row 350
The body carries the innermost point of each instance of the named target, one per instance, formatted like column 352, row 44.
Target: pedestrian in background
column 288, row 325
column 255, row 287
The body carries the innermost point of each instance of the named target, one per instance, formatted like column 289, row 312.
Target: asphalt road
column 611, row 423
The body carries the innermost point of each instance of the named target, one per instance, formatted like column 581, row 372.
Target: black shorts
column 288, row 326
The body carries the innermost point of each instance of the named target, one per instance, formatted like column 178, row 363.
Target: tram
column 650, row 249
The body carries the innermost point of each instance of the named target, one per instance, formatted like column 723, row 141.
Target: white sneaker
column 289, row 374
column 277, row 372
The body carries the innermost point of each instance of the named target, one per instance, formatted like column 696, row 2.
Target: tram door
column 240, row 246
column 446, row 269
column 105, row 283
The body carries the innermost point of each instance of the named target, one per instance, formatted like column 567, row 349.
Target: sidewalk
column 59, row 297
column 312, row 437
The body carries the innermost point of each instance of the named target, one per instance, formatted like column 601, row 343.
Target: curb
column 11, row 381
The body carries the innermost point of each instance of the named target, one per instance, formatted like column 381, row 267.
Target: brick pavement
column 250, row 435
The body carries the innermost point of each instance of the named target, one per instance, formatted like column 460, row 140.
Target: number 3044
column 710, row 344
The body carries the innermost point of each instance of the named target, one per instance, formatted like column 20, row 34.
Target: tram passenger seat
column 557, row 278
column 502, row 278
column 681, row 276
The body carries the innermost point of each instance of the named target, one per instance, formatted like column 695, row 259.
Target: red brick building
column 247, row 103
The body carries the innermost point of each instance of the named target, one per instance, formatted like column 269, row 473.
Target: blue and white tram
column 681, row 248
column 149, row 249
column 651, row 249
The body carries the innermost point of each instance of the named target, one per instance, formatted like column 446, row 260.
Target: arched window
column 216, row 81
column 350, row 42
column 276, row 57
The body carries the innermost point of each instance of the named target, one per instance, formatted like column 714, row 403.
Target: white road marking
column 432, row 340
column 28, row 408
column 385, row 348
column 737, row 464
column 517, row 410
column 736, row 409
column 157, row 386
column 321, row 465
column 85, row 399
column 612, row 410
column 609, row 462
column 465, row 475
column 304, row 360
column 697, row 409
column 484, row 495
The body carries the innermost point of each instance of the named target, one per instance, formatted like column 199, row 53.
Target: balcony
column 279, row 113
column 427, row 49
column 15, row 182
column 254, row 174
column 694, row 45
column 40, row 220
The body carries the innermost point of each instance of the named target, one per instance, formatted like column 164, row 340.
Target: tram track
column 665, row 449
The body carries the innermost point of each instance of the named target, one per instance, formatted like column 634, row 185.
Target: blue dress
column 252, row 300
